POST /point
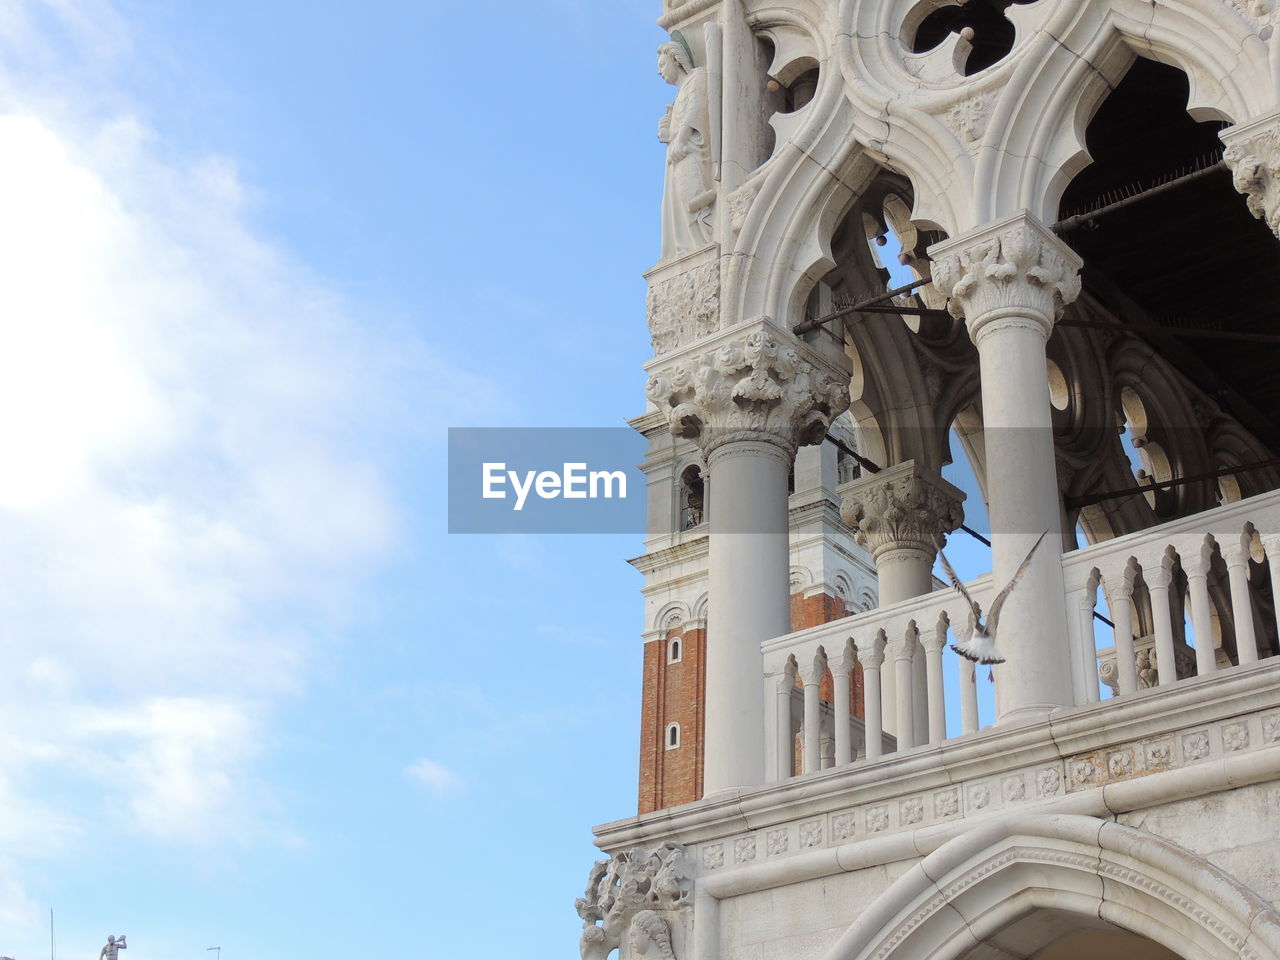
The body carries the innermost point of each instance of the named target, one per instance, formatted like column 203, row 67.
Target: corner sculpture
column 688, row 194
column 628, row 894
column 113, row 947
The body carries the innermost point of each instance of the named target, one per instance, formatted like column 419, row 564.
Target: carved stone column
column 901, row 515
column 1253, row 154
column 1010, row 280
column 749, row 397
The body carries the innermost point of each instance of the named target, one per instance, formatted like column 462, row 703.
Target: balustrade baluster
column 902, row 650
column 1196, row 565
column 1237, row 559
column 1158, row 580
column 786, row 740
column 871, row 658
column 813, row 713
column 841, row 672
column 1122, row 615
column 1271, row 544
column 933, row 642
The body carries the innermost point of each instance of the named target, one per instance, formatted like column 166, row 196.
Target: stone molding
column 903, row 507
column 1164, row 730
column 1013, row 269
column 627, row 895
column 1253, row 154
column 752, row 383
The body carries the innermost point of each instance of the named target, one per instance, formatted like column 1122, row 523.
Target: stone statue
column 688, row 194
column 113, row 947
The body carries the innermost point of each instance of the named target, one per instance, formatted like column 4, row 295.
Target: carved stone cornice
column 1253, row 154
column 903, row 507
column 1013, row 269
column 754, row 382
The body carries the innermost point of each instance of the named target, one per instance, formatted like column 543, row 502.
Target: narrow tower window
column 673, row 736
column 674, row 651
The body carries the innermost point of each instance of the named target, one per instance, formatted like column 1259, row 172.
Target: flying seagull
column 979, row 645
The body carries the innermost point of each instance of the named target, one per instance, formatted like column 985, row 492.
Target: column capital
column 903, row 507
column 871, row 653
column 1253, row 154
column 1014, row 268
column 754, row 382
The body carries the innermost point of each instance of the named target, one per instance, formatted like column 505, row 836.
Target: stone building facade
column 1086, row 197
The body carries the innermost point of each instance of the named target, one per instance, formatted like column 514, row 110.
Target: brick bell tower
column 831, row 577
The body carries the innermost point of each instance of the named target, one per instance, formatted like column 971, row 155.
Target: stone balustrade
column 1177, row 589
column 1187, row 583
column 918, row 627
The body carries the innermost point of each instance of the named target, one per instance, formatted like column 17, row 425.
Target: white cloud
column 435, row 777
column 190, row 490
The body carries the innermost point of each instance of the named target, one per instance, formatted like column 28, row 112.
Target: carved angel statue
column 688, row 194
column 979, row 640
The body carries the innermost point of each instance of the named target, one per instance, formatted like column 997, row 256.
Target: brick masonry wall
column 674, row 693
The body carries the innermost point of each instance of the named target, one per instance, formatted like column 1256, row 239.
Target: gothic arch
column 983, row 881
column 964, row 141
column 1048, row 102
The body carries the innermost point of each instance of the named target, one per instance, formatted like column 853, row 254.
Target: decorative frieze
column 751, row 386
column 999, row 791
column 1011, row 269
column 1253, row 154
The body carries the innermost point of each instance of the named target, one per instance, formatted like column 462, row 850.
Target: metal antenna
column 219, row 949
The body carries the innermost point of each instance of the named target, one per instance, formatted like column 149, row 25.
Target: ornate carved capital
column 754, row 383
column 1012, row 268
column 903, row 507
column 1253, row 154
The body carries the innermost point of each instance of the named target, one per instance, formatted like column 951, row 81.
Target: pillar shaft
column 901, row 515
column 748, row 562
column 749, row 396
column 1009, row 280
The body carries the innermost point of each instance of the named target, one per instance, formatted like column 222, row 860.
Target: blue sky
column 258, row 257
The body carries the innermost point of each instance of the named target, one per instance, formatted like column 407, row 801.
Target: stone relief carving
column 1195, row 746
column 911, row 811
column 744, row 849
column 684, row 308
column 738, row 204
column 754, row 387
column 688, row 194
column 811, row 834
column 1235, row 736
column 1253, row 154
column 777, row 842
column 1017, row 266
column 626, row 894
column 969, row 117
column 842, row 826
column 902, row 508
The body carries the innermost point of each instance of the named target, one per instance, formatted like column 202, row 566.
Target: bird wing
column 994, row 615
column 955, row 582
